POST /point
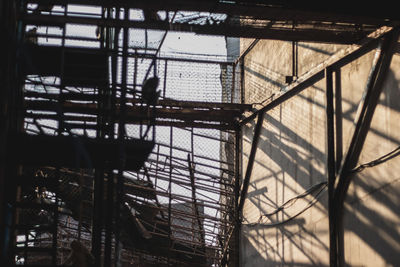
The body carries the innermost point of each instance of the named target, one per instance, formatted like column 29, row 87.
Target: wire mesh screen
column 260, row 82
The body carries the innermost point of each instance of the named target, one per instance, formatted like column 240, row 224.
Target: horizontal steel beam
column 307, row 35
column 341, row 11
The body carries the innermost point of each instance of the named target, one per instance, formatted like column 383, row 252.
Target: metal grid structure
column 134, row 183
column 130, row 182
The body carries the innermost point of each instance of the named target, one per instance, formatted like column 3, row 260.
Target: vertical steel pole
column 330, row 148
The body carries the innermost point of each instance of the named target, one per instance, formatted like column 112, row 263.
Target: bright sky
column 194, row 44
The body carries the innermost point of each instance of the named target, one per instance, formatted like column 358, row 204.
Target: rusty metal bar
column 194, row 200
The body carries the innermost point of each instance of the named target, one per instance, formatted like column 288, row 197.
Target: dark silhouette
column 150, row 94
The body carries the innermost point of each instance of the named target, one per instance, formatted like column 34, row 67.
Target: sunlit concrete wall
column 291, row 159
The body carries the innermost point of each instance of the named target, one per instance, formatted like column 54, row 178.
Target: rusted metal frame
column 330, row 150
column 187, row 214
column 206, row 203
column 175, row 166
column 335, row 62
column 194, row 201
column 155, row 186
column 182, row 230
column 177, row 159
column 178, row 180
column 197, row 156
column 210, row 203
column 364, row 117
column 250, row 163
column 329, row 36
column 230, row 233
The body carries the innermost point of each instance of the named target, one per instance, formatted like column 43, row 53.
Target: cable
column 392, row 154
column 320, row 186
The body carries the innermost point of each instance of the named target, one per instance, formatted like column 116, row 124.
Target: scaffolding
column 137, row 183
column 133, row 183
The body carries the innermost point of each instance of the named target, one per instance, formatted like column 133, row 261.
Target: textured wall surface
column 291, row 159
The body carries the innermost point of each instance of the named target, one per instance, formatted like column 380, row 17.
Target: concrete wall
column 291, row 159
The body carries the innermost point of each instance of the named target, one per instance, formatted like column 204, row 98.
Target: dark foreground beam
column 340, row 11
column 78, row 152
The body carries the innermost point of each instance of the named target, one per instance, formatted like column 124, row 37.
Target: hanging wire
column 320, row 187
column 392, row 154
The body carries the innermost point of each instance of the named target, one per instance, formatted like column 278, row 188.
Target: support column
column 330, row 148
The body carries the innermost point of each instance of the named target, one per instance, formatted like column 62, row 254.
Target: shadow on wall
column 372, row 208
column 261, row 248
column 296, row 244
column 375, row 220
column 286, row 162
